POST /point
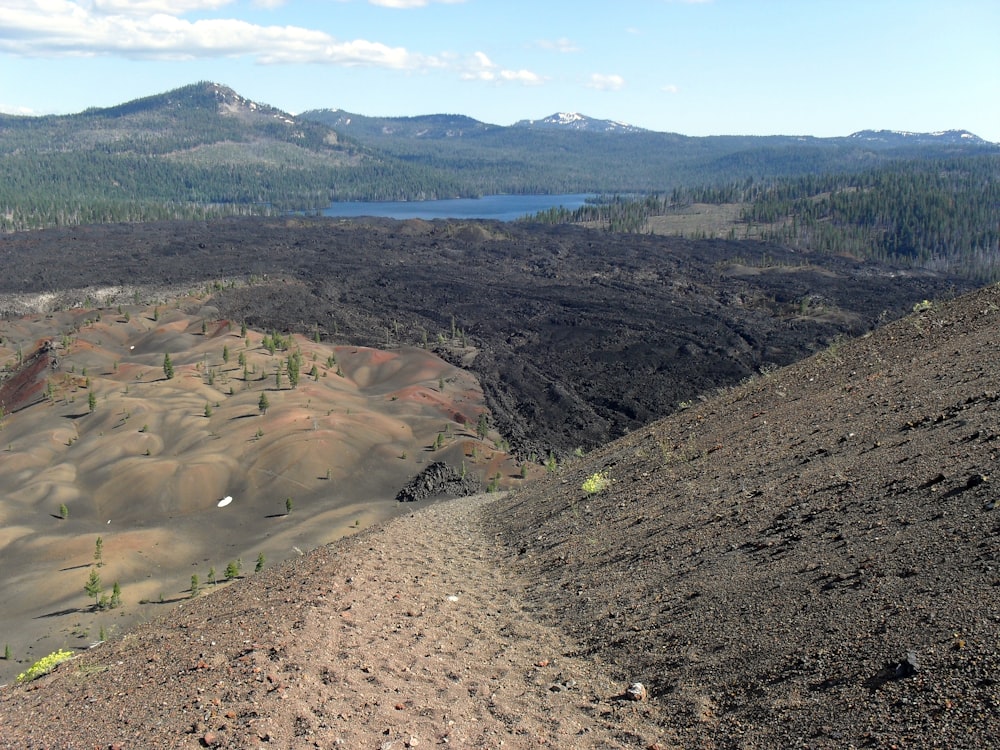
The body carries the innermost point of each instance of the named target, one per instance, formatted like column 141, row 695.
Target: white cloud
column 147, row 7
column 671, row 88
column 157, row 30
column 604, row 82
column 56, row 28
column 481, row 68
column 521, row 76
column 558, row 45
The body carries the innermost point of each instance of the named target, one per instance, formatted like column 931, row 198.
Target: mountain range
column 204, row 149
column 902, row 137
column 457, row 126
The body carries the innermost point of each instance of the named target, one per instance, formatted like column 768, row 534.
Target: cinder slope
column 810, row 559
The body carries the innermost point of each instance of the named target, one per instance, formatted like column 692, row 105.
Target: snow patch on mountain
column 577, row 121
column 909, row 137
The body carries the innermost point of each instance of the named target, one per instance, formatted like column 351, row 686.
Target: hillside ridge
column 779, row 562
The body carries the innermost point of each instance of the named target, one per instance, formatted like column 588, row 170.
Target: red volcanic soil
column 27, row 384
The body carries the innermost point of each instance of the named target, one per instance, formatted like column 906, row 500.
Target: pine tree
column 263, row 403
column 260, row 563
column 93, row 585
column 168, row 367
column 293, row 366
column 99, row 552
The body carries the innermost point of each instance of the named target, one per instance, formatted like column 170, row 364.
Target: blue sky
column 698, row 67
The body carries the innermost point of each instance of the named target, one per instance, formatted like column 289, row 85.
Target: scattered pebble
column 908, row 666
column 636, row 692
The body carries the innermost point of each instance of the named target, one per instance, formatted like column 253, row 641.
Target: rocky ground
column 576, row 336
column 805, row 560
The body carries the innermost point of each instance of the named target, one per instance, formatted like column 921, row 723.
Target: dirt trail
column 429, row 644
column 405, row 636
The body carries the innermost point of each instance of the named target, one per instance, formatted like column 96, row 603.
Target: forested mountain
column 203, row 150
column 557, row 155
column 197, row 151
column 424, row 127
column 906, row 138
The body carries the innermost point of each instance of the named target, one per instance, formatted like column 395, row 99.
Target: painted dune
column 142, row 460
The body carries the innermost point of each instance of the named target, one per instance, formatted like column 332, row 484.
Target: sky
column 697, row 67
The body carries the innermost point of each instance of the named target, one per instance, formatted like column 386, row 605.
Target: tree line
column 940, row 214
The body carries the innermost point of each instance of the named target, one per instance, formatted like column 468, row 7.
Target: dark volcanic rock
column 577, row 336
column 438, row 479
column 807, row 555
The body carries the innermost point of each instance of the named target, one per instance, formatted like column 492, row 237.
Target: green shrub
column 596, row 483
column 44, row 665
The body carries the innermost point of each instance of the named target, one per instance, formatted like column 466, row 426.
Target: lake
column 498, row 207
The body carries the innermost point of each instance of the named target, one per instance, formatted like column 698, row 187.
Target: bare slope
column 398, row 637
column 808, row 559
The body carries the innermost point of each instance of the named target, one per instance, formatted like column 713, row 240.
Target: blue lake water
column 498, row 207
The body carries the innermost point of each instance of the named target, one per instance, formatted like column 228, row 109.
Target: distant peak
column 577, row 121
column 910, row 137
